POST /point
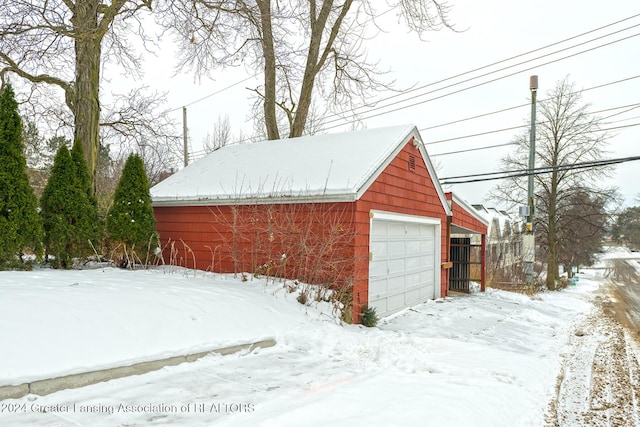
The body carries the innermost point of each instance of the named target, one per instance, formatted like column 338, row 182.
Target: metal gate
column 466, row 260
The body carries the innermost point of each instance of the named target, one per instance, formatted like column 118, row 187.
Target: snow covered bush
column 20, row 226
column 130, row 221
column 69, row 210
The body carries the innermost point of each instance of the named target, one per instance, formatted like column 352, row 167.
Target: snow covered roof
column 501, row 219
column 333, row 167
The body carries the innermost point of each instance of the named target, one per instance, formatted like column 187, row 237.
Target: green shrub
column 369, row 317
column 69, row 211
column 20, row 226
column 130, row 221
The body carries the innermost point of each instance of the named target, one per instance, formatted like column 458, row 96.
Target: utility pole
column 184, row 135
column 528, row 240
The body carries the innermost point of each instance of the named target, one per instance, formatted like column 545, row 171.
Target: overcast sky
column 494, row 30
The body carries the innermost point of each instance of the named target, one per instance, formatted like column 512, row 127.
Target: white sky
column 495, row 30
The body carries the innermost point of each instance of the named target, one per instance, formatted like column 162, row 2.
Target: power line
column 537, row 171
column 470, row 71
column 213, row 93
column 472, row 149
column 633, row 106
column 496, row 79
column 478, row 84
column 527, row 104
column 506, row 60
column 197, row 154
column 514, row 143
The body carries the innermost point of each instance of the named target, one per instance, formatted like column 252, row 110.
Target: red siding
column 463, row 218
column 317, row 239
column 334, row 236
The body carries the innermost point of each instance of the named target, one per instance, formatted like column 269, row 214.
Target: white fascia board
column 393, row 216
column 333, row 198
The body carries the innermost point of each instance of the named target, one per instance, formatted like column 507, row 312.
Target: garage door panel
column 413, row 297
column 395, row 302
column 396, row 247
column 417, row 262
column 396, row 266
column 402, row 268
column 395, row 285
column 377, row 289
column 396, row 229
column 377, row 269
column 414, row 246
column 427, row 292
column 413, row 229
column 427, row 245
column 381, row 249
column 414, row 279
column 427, row 230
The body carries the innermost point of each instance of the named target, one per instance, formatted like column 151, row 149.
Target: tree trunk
column 310, row 71
column 87, row 85
column 315, row 61
column 270, row 118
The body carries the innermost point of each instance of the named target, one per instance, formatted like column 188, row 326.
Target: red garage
column 362, row 210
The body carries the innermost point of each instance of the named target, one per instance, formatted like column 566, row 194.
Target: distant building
column 503, row 246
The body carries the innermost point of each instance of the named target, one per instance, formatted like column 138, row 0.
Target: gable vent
column 412, row 163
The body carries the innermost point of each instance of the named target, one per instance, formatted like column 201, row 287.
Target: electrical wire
column 199, row 153
column 514, row 143
column 469, row 72
column 536, row 171
column 507, row 60
column 632, row 107
column 479, row 84
column 527, row 104
column 213, row 93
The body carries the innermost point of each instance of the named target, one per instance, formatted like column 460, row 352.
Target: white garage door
column 404, row 261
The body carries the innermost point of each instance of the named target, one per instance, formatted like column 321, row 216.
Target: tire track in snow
column 599, row 378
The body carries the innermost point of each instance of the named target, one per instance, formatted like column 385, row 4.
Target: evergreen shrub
column 20, row 225
column 130, row 221
column 69, row 210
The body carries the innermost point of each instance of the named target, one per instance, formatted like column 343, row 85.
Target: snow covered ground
column 486, row 359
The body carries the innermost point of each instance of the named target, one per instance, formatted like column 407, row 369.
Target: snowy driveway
column 483, row 360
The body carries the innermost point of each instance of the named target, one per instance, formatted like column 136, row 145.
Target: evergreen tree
column 68, row 210
column 20, row 226
column 130, row 220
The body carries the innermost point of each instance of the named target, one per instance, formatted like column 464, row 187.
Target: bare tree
column 220, row 136
column 626, row 228
column 303, row 47
column 566, row 136
column 582, row 229
column 137, row 123
column 64, row 44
